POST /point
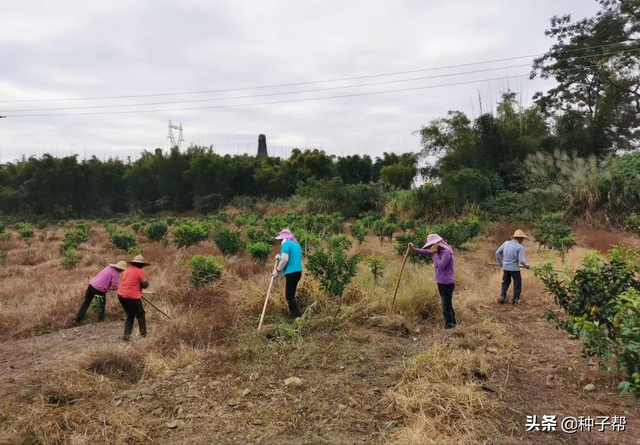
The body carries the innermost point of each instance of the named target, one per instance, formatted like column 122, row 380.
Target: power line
column 268, row 103
column 371, row 93
column 315, row 90
column 314, row 81
column 386, row 82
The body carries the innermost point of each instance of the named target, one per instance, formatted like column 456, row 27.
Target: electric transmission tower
column 172, row 136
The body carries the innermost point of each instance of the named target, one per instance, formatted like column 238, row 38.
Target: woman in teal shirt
column 290, row 264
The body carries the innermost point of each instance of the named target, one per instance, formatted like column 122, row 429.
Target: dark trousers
column 290, row 293
column 88, row 298
column 507, row 275
column 133, row 308
column 446, row 298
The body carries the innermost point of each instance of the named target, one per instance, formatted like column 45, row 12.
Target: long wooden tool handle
column 156, row 307
column 522, row 267
column 266, row 300
column 406, row 255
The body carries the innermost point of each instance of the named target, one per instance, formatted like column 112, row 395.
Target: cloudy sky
column 69, row 49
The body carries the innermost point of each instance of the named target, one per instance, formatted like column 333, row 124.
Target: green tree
column 597, row 99
column 334, row 270
column 377, row 266
column 552, row 232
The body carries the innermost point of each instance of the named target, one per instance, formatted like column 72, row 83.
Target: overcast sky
column 73, row 49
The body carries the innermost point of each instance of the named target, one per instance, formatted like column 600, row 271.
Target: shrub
column 5, row 236
column 258, row 236
column 96, row 303
column 260, row 251
column 70, row 258
column 136, row 226
column 526, row 206
column 407, row 224
column 253, row 219
column 334, row 270
column 309, row 242
column 3, row 226
column 171, row 220
column 156, row 231
column 383, row 228
column 42, row 224
column 206, row 269
column 83, row 228
column 601, row 305
column 352, row 200
column 369, row 219
column 3, row 256
column 229, row 241
column 389, row 229
column 240, row 220
column 189, row 234
column 632, row 223
column 123, row 240
column 72, row 240
column 223, row 217
column 110, row 228
column 378, row 229
column 25, row 230
column 553, row 233
column 341, row 242
column 376, row 265
column 358, row 231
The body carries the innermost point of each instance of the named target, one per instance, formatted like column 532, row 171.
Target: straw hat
column 520, row 234
column 139, row 259
column 120, row 265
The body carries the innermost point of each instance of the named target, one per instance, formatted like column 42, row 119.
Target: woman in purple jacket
column 442, row 255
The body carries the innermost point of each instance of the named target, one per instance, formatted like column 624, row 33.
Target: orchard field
column 369, row 375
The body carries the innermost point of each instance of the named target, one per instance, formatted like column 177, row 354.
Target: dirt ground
column 236, row 393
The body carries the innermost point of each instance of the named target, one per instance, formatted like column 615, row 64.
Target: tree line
column 195, row 179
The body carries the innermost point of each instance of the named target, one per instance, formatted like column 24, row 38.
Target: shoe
column 502, row 300
column 143, row 335
column 449, row 326
column 515, row 302
column 126, row 338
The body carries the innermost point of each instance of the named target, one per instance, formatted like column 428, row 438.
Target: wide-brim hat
column 285, row 234
column 120, row 265
column 520, row 234
column 432, row 239
column 139, row 259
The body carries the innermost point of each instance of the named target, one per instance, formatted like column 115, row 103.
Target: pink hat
column 434, row 238
column 286, row 235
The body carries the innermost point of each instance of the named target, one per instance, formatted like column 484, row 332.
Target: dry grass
column 446, row 390
column 125, row 365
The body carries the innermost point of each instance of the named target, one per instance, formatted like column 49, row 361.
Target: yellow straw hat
column 139, row 259
column 120, row 265
column 520, row 234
